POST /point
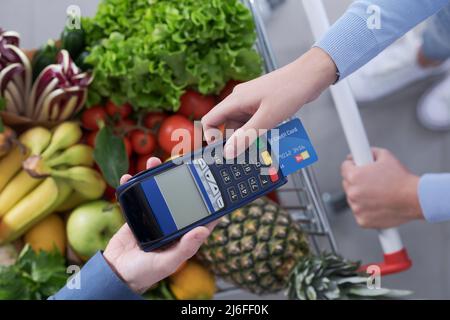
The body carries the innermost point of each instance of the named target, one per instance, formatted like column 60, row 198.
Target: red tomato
column 132, row 166
column 110, row 193
column 122, row 111
column 92, row 116
column 143, row 142
column 194, row 105
column 153, row 120
column 128, row 147
column 228, row 89
column 186, row 140
column 125, row 126
column 90, row 138
column 141, row 163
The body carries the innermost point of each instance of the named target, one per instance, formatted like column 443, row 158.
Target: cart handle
column 395, row 255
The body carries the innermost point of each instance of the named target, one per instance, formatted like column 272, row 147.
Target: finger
column 350, row 157
column 153, row 162
column 345, row 185
column 346, row 167
column 377, row 153
column 125, row 178
column 185, row 248
column 233, row 124
column 212, row 225
column 263, row 118
column 218, row 115
column 124, row 230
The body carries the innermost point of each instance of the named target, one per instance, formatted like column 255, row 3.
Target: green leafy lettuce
column 34, row 276
column 147, row 52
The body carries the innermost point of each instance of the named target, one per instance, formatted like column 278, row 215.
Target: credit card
column 292, row 146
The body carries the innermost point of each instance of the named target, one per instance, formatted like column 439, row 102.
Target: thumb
column 186, row 247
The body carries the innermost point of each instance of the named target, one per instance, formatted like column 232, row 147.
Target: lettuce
column 147, row 52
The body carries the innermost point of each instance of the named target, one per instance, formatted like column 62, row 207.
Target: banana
column 77, row 155
column 34, row 207
column 6, row 141
column 15, row 190
column 65, row 135
column 36, row 167
column 36, row 139
column 10, row 165
column 73, row 201
column 86, row 181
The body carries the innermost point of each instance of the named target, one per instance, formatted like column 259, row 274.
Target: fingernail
column 228, row 151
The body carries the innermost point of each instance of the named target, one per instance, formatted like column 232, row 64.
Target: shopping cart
column 301, row 196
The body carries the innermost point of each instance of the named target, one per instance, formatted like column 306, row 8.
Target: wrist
column 411, row 198
column 317, row 71
column 114, row 264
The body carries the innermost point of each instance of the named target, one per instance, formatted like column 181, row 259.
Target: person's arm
column 434, row 194
column 97, row 282
column 351, row 43
column 124, row 271
column 264, row 102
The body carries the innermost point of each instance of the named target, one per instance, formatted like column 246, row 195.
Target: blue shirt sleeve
column 97, row 282
column 434, row 197
column 351, row 43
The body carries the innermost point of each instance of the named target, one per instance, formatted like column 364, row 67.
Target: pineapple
column 260, row 248
column 255, row 247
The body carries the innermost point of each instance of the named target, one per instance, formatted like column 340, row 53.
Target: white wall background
column 39, row 20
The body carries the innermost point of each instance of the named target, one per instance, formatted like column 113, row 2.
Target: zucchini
column 73, row 40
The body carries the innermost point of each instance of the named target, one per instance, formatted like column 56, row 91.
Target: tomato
column 143, row 142
column 110, row 193
column 153, row 120
column 120, row 112
column 187, row 143
column 228, row 89
column 128, row 148
column 125, row 126
column 194, row 105
column 92, row 116
column 132, row 166
column 90, row 138
column 141, row 163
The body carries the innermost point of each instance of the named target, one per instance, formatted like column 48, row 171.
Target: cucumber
column 73, row 40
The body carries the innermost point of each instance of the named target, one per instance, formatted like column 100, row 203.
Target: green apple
column 91, row 225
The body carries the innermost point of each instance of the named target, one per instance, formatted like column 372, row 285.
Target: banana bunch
column 45, row 172
column 7, row 138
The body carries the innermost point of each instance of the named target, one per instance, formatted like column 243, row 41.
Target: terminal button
column 266, row 158
column 232, row 194
column 273, row 174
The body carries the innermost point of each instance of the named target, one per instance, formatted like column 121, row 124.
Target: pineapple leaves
column 332, row 277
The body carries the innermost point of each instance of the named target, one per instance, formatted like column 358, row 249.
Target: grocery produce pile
column 82, row 110
column 148, row 53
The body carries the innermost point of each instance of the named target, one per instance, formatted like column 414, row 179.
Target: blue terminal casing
column 221, row 188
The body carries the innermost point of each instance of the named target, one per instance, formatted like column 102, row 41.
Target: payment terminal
column 163, row 203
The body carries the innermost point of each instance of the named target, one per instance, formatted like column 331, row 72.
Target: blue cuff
column 436, row 44
column 350, row 43
column 97, row 282
column 434, row 197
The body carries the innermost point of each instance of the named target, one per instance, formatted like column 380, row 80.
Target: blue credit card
column 292, row 146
